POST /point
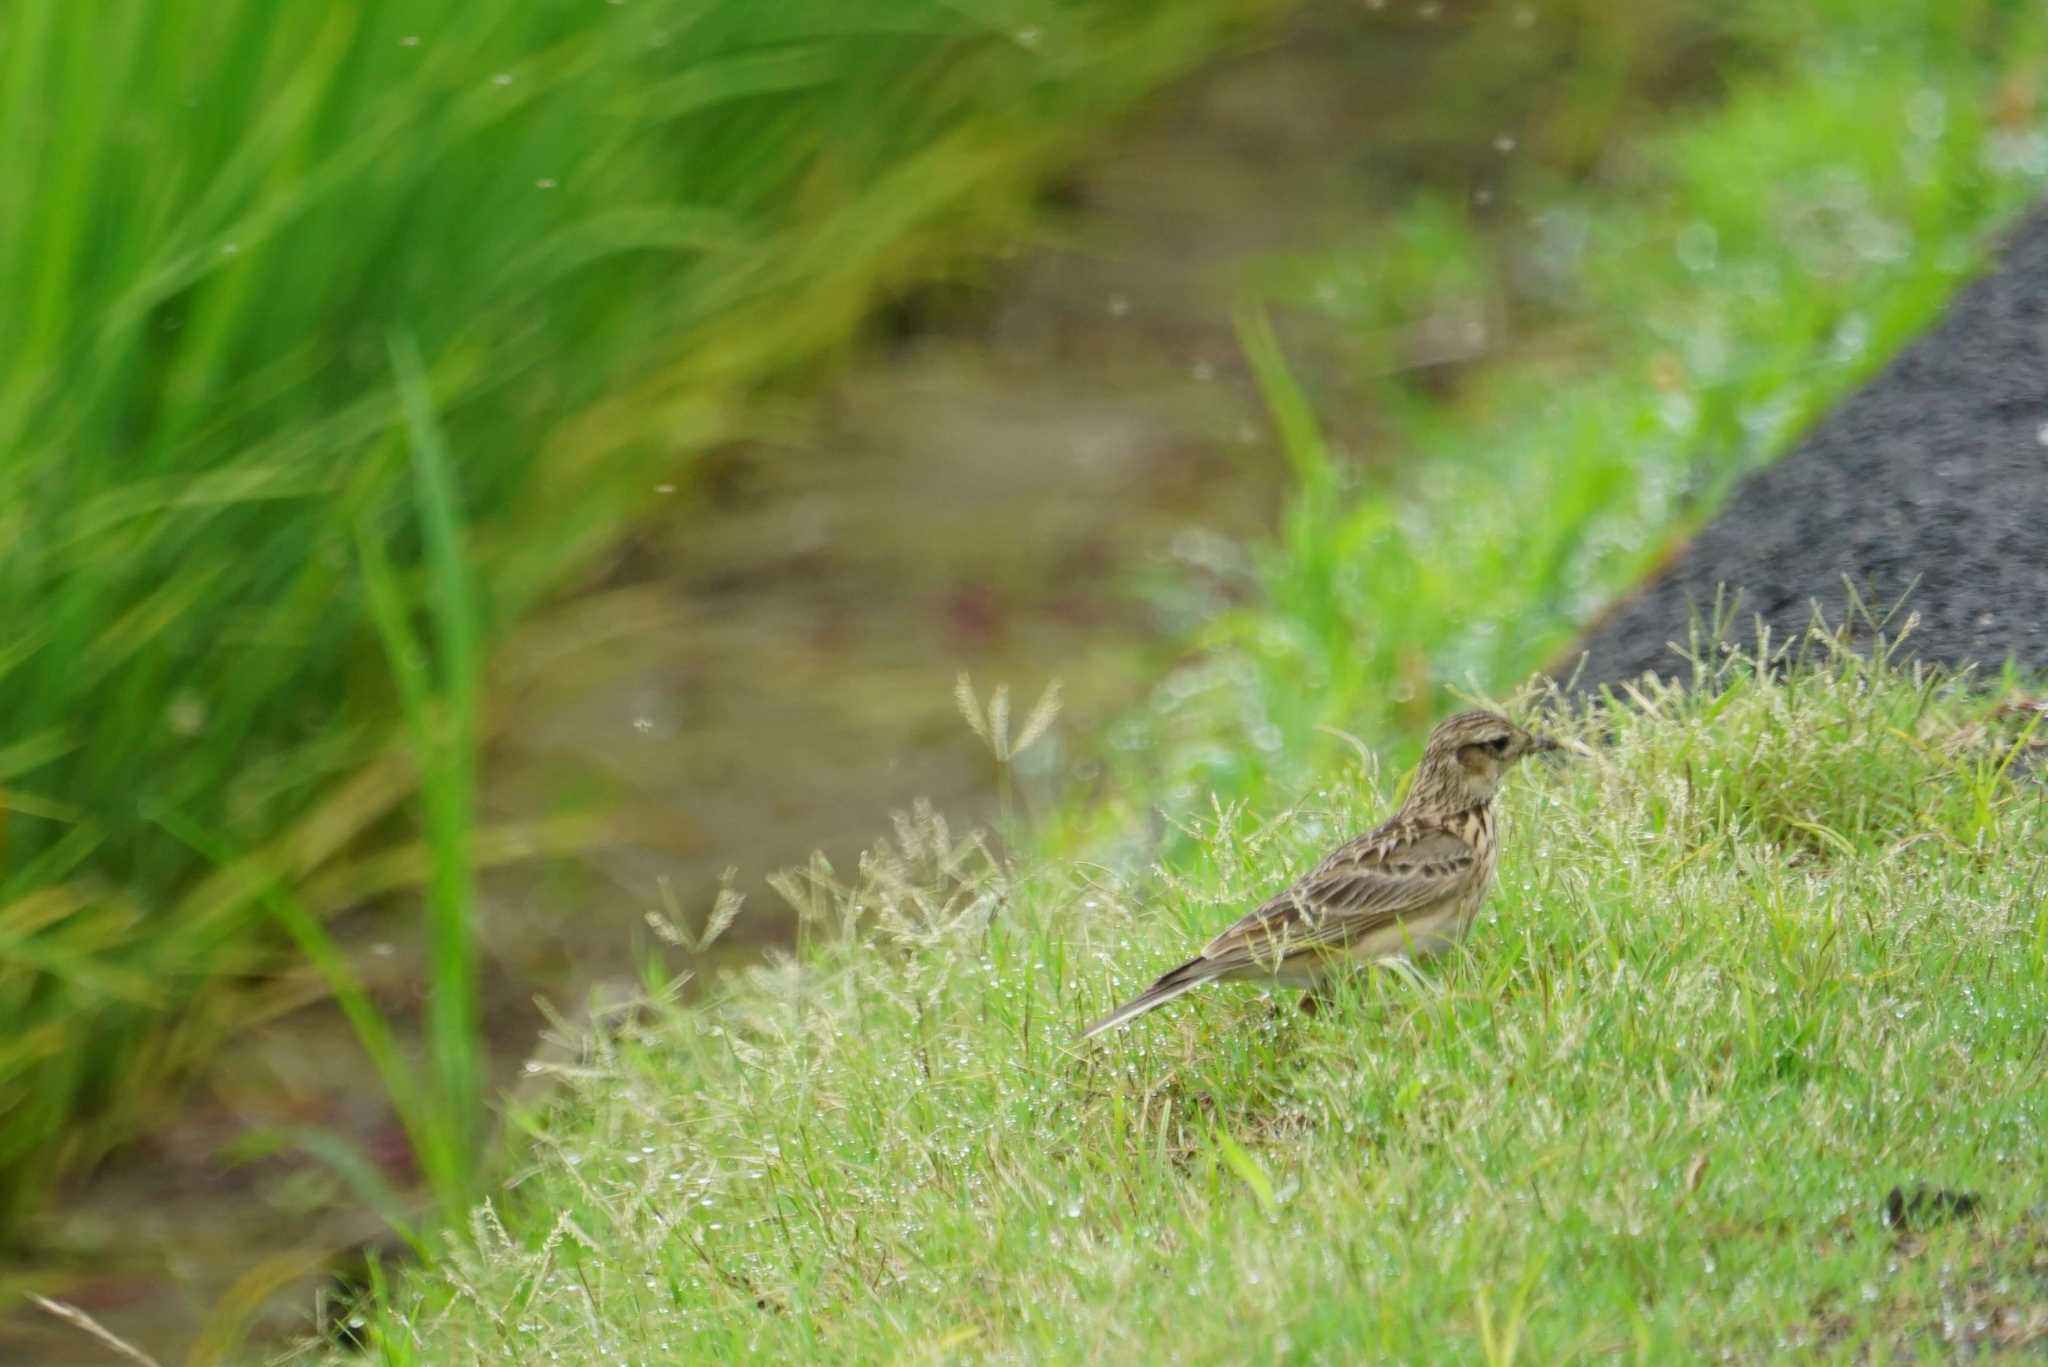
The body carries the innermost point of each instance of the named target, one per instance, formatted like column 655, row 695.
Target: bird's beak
column 1544, row 745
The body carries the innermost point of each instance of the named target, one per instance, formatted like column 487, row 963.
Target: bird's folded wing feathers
column 1372, row 882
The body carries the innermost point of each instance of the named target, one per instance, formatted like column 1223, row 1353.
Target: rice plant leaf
column 372, row 1030
column 33, row 751
column 796, row 66
column 448, row 753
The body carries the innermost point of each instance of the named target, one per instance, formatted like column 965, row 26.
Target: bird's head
column 1467, row 756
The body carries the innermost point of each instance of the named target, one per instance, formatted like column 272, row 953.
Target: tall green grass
column 442, row 703
column 610, row 228
column 440, row 1105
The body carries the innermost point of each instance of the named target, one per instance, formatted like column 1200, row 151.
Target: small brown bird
column 1404, row 891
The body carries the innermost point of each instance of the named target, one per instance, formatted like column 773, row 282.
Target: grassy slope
column 594, row 221
column 1767, row 954
column 1761, row 956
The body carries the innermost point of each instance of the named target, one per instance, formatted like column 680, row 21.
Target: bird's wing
column 1371, row 882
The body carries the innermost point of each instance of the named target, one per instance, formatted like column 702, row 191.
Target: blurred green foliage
column 609, row 227
column 1629, row 333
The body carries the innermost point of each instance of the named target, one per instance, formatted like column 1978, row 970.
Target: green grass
column 1765, row 951
column 614, row 232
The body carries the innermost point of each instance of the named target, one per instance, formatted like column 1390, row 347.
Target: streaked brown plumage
column 1408, row 889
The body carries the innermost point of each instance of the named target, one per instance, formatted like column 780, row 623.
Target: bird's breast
column 1419, row 934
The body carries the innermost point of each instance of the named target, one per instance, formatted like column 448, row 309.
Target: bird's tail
column 1171, row 984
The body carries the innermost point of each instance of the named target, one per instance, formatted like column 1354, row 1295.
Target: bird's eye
column 1499, row 745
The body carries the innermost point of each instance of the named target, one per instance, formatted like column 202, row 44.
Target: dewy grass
column 611, row 228
column 1653, row 1108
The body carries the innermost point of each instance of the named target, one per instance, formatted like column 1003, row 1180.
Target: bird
column 1407, row 889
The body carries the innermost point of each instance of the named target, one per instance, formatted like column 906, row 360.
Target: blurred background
column 473, row 475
